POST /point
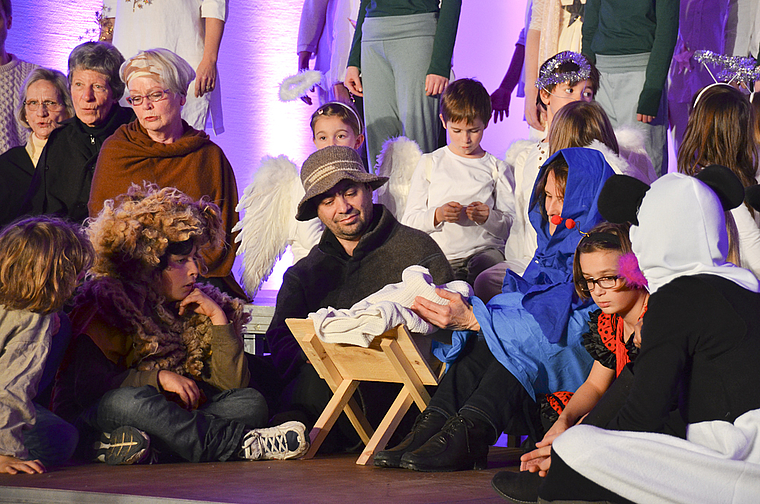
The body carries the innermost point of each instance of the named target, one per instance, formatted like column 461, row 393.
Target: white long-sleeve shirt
column 441, row 177
column 749, row 238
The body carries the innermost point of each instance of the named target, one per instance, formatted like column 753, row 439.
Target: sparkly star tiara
column 548, row 76
column 729, row 68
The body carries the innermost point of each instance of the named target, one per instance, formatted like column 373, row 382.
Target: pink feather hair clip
column 628, row 268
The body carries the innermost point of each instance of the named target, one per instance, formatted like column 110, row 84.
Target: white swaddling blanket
column 384, row 310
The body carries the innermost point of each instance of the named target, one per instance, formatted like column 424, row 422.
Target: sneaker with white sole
column 125, row 445
column 285, row 441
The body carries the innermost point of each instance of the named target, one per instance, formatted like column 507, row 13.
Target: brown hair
column 578, row 124
column 566, row 67
column 41, row 259
column 720, row 131
column 466, row 100
column 604, row 236
column 132, row 233
column 559, row 168
column 346, row 113
column 756, row 110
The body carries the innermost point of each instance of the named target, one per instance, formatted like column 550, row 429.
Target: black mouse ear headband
column 621, row 196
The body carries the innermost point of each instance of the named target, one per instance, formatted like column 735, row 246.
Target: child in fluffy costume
column 158, row 355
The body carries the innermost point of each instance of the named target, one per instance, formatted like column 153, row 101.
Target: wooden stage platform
column 329, row 478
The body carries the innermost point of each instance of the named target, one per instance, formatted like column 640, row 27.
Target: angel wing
column 266, row 224
column 397, row 161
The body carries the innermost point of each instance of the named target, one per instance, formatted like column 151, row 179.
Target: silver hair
column 99, row 57
column 54, row 77
column 177, row 72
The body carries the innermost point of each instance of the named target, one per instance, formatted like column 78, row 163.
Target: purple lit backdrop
column 258, row 52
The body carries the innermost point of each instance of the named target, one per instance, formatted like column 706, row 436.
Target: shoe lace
column 256, row 444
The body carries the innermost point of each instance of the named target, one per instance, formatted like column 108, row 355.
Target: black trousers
column 479, row 383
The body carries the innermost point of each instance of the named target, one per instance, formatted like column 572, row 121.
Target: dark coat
column 61, row 185
column 16, row 173
column 330, row 277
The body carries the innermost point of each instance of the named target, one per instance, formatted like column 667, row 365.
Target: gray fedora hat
column 324, row 169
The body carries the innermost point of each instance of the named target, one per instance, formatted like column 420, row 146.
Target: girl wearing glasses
column 161, row 147
column 45, row 104
column 604, row 269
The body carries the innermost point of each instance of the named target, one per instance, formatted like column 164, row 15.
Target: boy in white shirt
column 460, row 194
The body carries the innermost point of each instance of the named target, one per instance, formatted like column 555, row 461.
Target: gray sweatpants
column 396, row 53
column 622, row 79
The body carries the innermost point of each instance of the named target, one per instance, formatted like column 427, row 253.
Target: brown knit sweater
column 193, row 164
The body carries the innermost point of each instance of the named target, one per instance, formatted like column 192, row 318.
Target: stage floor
column 331, row 478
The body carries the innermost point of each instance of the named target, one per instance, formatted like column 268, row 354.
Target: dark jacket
column 16, row 172
column 61, row 184
column 328, row 276
column 700, row 348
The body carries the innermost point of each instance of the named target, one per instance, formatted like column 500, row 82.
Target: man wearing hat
column 362, row 249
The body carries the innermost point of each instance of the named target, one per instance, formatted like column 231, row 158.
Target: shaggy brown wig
column 132, row 232
column 131, row 236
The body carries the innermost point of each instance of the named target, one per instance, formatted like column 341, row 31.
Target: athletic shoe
column 125, row 445
column 285, row 441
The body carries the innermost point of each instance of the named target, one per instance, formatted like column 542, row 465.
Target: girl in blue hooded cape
column 529, row 341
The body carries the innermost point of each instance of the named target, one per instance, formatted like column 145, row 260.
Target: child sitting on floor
column 604, row 269
column 460, row 194
column 41, row 260
column 158, row 360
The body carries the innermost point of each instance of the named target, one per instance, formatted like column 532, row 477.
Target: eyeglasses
column 34, row 105
column 153, row 97
column 607, row 282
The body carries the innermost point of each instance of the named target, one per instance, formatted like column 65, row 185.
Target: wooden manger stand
column 392, row 357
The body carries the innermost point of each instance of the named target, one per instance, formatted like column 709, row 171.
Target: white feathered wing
column 268, row 225
column 397, row 161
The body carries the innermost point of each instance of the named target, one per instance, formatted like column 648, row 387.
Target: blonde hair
column 578, row 124
column 41, row 259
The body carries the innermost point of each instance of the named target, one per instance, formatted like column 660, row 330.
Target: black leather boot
column 461, row 445
column 427, row 424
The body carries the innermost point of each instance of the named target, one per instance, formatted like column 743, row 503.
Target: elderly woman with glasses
column 44, row 104
column 160, row 147
column 63, row 186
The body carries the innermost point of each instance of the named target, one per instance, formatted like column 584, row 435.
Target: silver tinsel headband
column 548, row 76
column 729, row 68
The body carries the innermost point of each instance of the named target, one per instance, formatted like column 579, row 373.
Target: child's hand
column 539, row 460
column 450, row 212
column 13, row 465
column 185, row 388
column 478, row 212
column 199, row 302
